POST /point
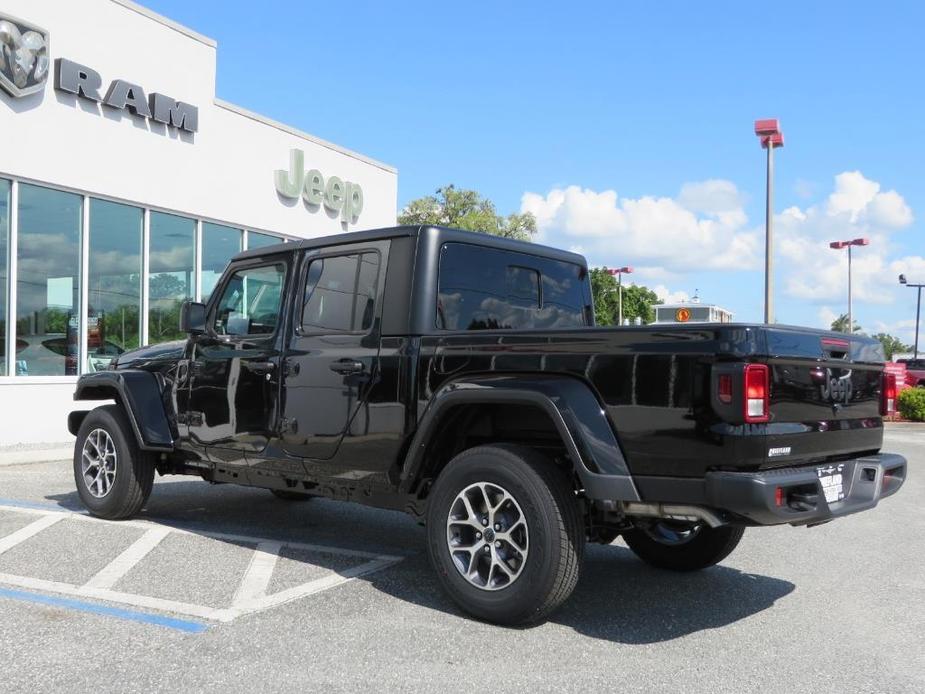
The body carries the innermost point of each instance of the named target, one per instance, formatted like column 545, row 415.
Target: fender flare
column 139, row 394
column 572, row 406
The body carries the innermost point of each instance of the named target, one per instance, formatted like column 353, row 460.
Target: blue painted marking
column 130, row 615
column 37, row 505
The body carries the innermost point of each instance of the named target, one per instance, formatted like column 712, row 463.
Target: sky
column 626, row 128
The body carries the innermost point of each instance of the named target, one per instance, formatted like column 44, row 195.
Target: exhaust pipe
column 681, row 512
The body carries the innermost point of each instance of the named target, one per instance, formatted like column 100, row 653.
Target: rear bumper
column 801, row 501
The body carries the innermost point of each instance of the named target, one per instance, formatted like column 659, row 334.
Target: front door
column 234, row 366
column 332, row 359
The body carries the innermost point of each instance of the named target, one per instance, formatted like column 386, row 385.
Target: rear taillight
column 724, row 388
column 887, row 394
column 756, row 393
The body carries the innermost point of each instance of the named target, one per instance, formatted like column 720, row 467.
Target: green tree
column 892, row 345
column 637, row 300
column 840, row 325
column 467, row 209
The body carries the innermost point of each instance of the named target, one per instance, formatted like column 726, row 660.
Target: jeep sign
column 84, row 82
column 335, row 194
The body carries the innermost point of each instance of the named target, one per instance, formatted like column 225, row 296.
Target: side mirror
column 193, row 318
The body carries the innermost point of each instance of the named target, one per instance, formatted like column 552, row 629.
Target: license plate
column 831, row 477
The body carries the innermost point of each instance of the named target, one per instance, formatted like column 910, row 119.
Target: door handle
column 348, row 366
column 259, row 367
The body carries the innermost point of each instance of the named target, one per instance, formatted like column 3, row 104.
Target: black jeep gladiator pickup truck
column 459, row 377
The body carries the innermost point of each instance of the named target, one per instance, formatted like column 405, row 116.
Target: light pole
column 838, row 245
column 918, row 310
column 619, row 272
column 770, row 135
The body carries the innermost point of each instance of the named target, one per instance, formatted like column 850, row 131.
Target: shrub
column 912, row 404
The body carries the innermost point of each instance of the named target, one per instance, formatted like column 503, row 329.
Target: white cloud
column 826, row 317
column 859, row 199
column 811, row 271
column 669, row 297
column 703, row 228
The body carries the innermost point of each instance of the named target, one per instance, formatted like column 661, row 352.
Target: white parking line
column 250, row 596
column 257, row 578
column 25, row 533
column 134, row 553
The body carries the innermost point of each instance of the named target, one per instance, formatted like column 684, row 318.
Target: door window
column 250, row 301
column 340, row 294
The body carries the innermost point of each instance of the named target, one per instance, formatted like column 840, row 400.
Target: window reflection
column 340, row 293
column 4, row 260
column 170, row 283
column 250, row 302
column 47, row 285
column 257, row 240
column 219, row 244
column 489, row 289
column 114, row 282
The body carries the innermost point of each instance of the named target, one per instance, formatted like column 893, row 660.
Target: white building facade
column 126, row 186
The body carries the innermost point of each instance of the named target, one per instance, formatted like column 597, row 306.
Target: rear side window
column 340, row 293
column 488, row 289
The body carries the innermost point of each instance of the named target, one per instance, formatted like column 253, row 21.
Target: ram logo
column 24, row 58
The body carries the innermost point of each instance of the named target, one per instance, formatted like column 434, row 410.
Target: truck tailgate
column 824, row 396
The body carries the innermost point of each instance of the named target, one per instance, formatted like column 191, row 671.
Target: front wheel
column 504, row 534
column 682, row 546
column 113, row 475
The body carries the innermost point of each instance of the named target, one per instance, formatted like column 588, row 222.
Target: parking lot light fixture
column 771, row 137
column 838, row 245
column 918, row 310
column 618, row 273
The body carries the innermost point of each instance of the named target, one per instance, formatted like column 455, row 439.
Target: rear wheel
column 504, row 534
column 114, row 476
column 682, row 546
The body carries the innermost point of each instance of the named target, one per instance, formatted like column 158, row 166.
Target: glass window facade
column 5, row 189
column 171, row 267
column 113, row 282
column 48, row 282
column 257, row 240
column 219, row 244
column 81, row 277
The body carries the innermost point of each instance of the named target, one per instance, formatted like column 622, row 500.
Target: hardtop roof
column 445, row 235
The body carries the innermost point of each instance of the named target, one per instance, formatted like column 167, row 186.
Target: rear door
column 332, row 361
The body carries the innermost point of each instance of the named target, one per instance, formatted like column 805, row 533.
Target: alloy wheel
column 487, row 536
column 98, row 463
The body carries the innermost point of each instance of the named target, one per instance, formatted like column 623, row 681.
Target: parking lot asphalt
column 220, row 588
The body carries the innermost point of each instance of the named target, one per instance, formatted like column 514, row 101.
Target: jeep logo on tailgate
column 837, row 389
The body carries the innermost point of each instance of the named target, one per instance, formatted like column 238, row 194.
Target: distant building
column 691, row 312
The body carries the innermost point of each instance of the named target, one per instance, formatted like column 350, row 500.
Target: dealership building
column 126, row 186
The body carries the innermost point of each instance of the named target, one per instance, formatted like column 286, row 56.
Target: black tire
column 707, row 546
column 286, row 495
column 556, row 534
column 134, row 468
